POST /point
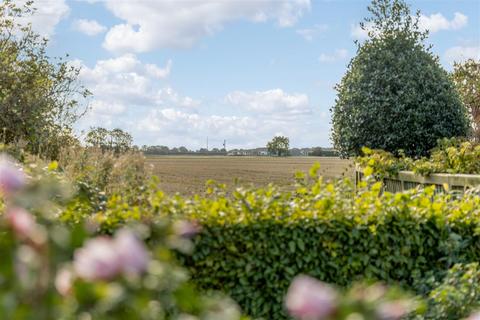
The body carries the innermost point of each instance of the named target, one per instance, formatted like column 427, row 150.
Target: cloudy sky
column 173, row 72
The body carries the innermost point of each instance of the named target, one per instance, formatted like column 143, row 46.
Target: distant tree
column 322, row 152
column 278, row 146
column 120, row 141
column 182, row 149
column 115, row 140
column 39, row 95
column 395, row 94
column 98, row 137
column 467, row 80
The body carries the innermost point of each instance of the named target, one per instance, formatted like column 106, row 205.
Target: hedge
column 256, row 241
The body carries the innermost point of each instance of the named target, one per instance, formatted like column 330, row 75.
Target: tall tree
column 39, row 95
column 279, row 146
column 467, row 80
column 395, row 95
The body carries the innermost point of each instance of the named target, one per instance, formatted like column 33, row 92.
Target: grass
column 187, row 174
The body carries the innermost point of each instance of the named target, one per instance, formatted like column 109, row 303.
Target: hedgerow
column 254, row 243
column 450, row 156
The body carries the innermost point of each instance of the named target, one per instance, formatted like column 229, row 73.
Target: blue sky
column 174, row 72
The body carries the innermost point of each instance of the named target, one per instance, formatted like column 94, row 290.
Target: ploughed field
column 187, row 175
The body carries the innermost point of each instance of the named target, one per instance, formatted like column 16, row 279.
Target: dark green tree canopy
column 395, row 95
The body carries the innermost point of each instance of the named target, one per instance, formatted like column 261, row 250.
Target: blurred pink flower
column 393, row 310
column 22, row 222
column 98, row 259
column 475, row 316
column 63, row 281
column 308, row 298
column 11, row 177
column 187, row 229
column 133, row 255
column 105, row 258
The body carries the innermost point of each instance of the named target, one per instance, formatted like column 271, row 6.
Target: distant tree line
column 164, row 150
column 296, row 152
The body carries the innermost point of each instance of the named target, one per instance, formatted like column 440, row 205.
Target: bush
column 395, row 94
column 41, row 96
column 452, row 156
column 253, row 244
column 457, row 295
column 105, row 171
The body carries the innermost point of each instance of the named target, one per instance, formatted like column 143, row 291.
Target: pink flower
column 393, row 310
column 133, row 255
column 475, row 316
column 310, row 299
column 22, row 222
column 11, row 177
column 187, row 229
column 98, row 259
column 105, row 258
column 63, row 281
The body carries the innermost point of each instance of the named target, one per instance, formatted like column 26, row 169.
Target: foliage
column 323, row 152
column 51, row 271
column 450, row 156
column 395, row 95
column 466, row 77
column 39, row 96
column 116, row 140
column 457, row 295
column 278, row 146
column 255, row 241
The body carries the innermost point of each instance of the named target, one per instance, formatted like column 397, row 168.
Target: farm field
column 187, row 174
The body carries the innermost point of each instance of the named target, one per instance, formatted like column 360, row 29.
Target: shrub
column 40, row 97
column 395, row 95
column 457, row 295
column 253, row 244
column 450, row 156
column 104, row 171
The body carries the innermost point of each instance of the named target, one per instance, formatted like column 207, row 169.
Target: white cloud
column 339, row 54
column 460, row 53
column 176, row 128
column 310, row 33
column 160, row 24
column 436, row 22
column 122, row 83
column 275, row 103
column 88, row 27
column 47, row 15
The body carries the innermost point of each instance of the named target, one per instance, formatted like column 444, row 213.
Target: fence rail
column 408, row 180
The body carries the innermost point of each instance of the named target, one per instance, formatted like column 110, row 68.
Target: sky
column 174, row 72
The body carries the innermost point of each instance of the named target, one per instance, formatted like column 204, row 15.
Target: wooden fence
column 407, row 180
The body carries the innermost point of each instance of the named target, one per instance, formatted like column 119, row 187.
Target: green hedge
column 450, row 156
column 255, row 242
